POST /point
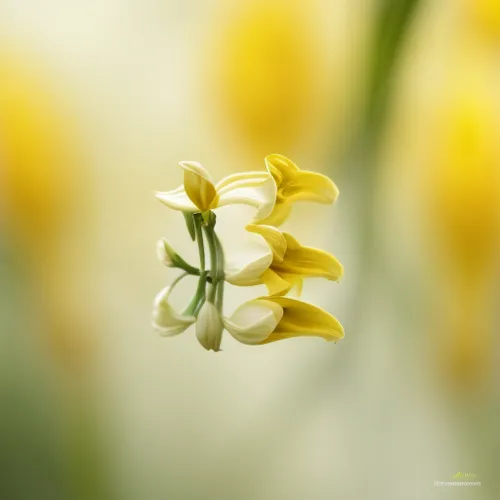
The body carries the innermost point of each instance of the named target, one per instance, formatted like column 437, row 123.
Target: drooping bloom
column 209, row 327
column 200, row 194
column 269, row 319
column 294, row 184
column 166, row 319
column 286, row 265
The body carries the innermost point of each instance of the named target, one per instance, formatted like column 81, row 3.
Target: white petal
column 165, row 319
column 177, row 200
column 248, row 274
column 234, row 180
column 259, row 192
column 254, row 321
column 209, row 327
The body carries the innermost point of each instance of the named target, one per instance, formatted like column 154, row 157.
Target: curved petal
column 274, row 238
column 311, row 186
column 198, row 185
column 254, row 321
column 166, row 320
column 275, row 284
column 308, row 262
column 177, row 200
column 301, row 319
column 282, row 168
column 209, row 327
column 279, row 215
column 233, row 180
column 256, row 192
column 249, row 274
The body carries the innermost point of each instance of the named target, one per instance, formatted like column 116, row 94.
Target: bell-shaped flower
column 269, row 319
column 199, row 193
column 209, row 327
column 289, row 263
column 166, row 319
column 294, row 184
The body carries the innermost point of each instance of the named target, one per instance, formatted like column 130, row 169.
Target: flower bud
column 166, row 253
column 209, row 327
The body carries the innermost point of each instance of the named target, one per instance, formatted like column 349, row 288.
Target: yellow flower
column 286, row 264
column 266, row 72
column 269, row 319
column 294, row 184
column 199, row 193
column 487, row 15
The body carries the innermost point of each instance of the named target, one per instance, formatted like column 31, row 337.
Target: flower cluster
column 283, row 267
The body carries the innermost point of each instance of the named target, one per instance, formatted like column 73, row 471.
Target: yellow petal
column 311, row 186
column 199, row 186
column 275, row 284
column 274, row 238
column 279, row 215
column 282, row 169
column 308, row 262
column 301, row 319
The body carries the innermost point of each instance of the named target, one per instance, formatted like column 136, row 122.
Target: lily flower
column 166, row 320
column 199, row 193
column 294, row 184
column 269, row 319
column 286, row 264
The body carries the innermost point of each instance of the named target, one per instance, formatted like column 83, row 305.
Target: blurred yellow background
column 397, row 100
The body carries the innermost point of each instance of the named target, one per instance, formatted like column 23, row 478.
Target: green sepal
column 188, row 217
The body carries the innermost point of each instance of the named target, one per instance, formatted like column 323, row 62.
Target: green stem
column 214, row 262
column 199, row 297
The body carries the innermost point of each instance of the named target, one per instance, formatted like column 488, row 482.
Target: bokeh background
column 397, row 100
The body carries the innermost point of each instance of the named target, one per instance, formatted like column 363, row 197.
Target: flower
column 294, row 184
column 269, row 319
column 209, row 327
column 200, row 194
column 286, row 264
column 165, row 319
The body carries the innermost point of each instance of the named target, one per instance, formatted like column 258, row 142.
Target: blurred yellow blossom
column 267, row 71
column 463, row 186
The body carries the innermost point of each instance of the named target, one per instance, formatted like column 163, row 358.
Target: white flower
column 165, row 319
column 209, row 327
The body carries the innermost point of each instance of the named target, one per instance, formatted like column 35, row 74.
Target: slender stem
column 199, row 297
column 212, row 245
column 199, row 238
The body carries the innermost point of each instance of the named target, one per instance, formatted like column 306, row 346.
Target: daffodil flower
column 269, row 319
column 200, row 194
column 286, row 264
column 294, row 184
column 166, row 319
